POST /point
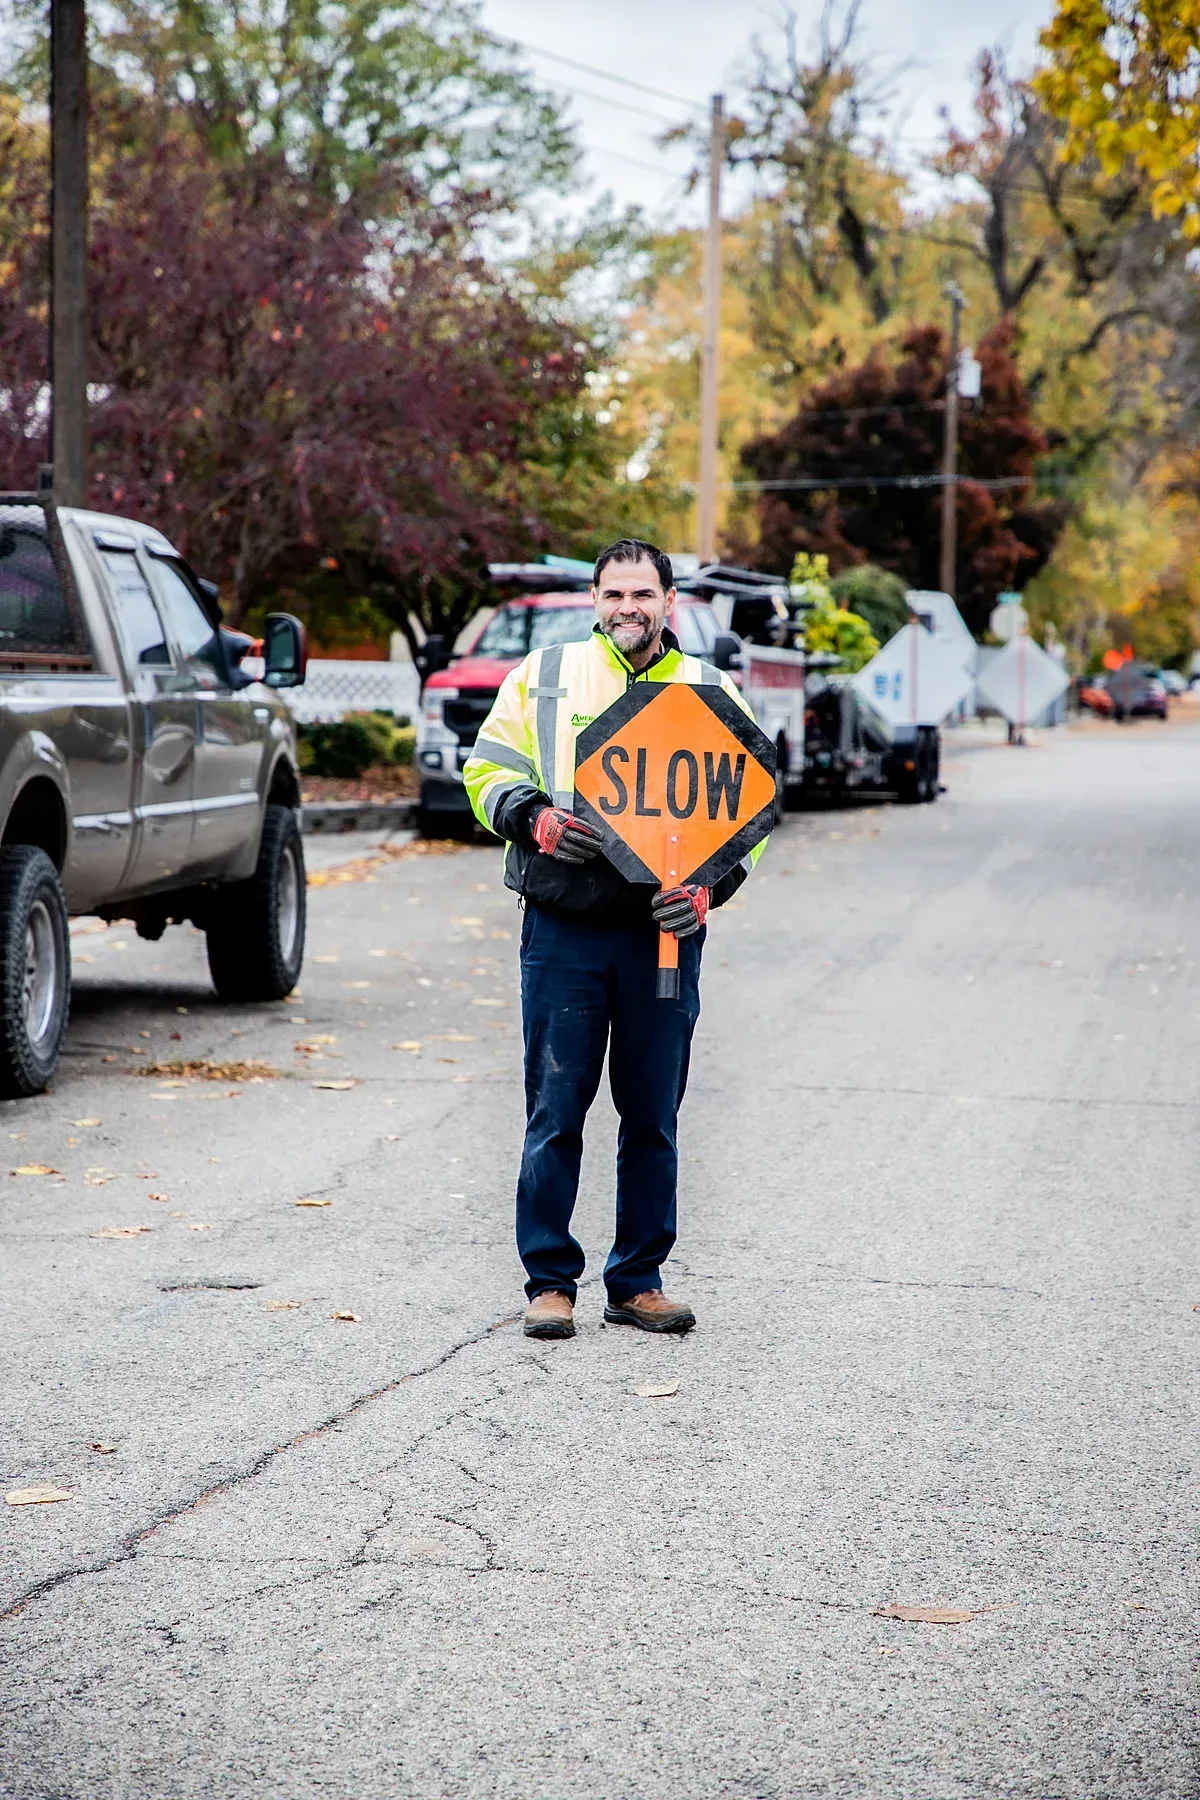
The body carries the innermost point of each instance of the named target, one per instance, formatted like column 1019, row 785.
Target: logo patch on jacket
column 579, row 720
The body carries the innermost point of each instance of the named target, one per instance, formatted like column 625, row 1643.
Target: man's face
column 631, row 605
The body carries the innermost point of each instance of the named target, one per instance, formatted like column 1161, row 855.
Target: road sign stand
column 680, row 784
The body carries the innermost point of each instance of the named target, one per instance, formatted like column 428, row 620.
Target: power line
column 822, row 484
column 636, row 161
column 604, row 74
column 568, row 87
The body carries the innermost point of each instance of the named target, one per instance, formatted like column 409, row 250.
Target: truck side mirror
column 285, row 651
column 727, row 651
column 432, row 657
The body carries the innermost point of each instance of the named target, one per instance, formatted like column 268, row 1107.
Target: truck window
column 693, row 624
column 136, row 612
column 514, row 631
column 34, row 614
column 190, row 625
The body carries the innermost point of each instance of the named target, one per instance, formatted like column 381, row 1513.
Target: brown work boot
column 550, row 1315
column 651, row 1311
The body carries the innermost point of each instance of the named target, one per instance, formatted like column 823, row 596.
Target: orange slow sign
column 678, row 779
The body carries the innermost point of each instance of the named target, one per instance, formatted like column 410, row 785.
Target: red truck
column 551, row 606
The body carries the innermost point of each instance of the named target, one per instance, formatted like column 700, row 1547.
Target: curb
column 333, row 816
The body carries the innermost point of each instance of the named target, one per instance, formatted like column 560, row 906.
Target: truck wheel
column 35, row 970
column 440, row 822
column 256, row 930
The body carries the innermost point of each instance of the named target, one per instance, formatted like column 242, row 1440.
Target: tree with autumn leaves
column 863, row 453
column 303, row 367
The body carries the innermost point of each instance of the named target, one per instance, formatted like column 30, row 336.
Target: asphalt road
column 937, row 1222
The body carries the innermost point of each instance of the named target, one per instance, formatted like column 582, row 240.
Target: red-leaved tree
column 883, row 423
column 280, row 381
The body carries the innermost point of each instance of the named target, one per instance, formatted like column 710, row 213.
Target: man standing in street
column 589, row 953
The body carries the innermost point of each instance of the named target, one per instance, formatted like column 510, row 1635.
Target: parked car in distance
column 1136, row 692
column 1173, row 681
column 144, row 774
column 1094, row 695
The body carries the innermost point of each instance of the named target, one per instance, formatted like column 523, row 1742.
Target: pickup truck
column 144, row 774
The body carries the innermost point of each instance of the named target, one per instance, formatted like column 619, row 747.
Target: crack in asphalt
column 988, row 1287
column 132, row 1543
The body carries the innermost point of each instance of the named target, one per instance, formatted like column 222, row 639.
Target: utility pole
column 712, row 329
column 950, row 448
column 68, row 250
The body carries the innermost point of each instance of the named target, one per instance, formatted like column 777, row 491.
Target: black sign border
column 751, row 736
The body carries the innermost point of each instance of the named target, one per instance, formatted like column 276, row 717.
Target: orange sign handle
column 667, row 987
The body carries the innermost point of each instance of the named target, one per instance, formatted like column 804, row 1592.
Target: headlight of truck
column 435, row 703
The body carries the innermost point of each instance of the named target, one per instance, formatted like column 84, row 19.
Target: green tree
column 338, row 87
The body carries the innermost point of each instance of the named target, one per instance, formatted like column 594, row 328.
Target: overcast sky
column 693, row 48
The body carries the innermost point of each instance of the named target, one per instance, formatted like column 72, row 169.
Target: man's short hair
column 631, row 550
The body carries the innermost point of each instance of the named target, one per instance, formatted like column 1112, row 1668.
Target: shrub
column 876, row 595
column 346, row 748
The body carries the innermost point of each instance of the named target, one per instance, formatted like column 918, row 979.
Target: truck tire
column 440, row 822
column 35, row 970
column 256, row 928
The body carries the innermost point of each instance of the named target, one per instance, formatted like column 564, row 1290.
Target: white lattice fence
column 334, row 688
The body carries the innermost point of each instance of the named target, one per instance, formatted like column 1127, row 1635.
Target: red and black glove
column 680, row 909
column 561, row 835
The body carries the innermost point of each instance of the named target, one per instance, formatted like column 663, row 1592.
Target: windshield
column 516, row 630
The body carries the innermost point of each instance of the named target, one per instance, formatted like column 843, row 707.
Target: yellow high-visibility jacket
column 524, row 757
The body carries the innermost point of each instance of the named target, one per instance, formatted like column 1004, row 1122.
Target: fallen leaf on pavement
column 282, row 1305
column 455, row 1037
column 312, row 1202
column 351, row 1318
column 357, row 984
column 338, row 1087
column 479, row 1000
column 122, row 1231
column 656, row 1390
column 923, row 1615
column 82, row 1122
column 201, row 1069
column 193, row 1226
column 103, row 1449
column 467, row 921
column 1136, row 1605
column 36, row 1169
column 325, row 959
column 158, row 1196
column 408, row 1044
column 37, row 1496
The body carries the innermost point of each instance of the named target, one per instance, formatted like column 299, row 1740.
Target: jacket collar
column 668, row 644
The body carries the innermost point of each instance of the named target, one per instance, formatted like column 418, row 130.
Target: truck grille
column 465, row 716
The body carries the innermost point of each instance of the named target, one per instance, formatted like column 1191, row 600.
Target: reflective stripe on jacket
column 525, row 752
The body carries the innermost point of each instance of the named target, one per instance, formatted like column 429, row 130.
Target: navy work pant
column 585, row 988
